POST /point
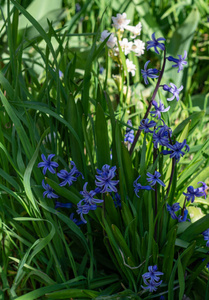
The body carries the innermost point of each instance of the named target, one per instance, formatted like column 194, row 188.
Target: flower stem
column 150, row 103
column 171, row 177
column 156, row 202
column 184, row 207
column 172, row 170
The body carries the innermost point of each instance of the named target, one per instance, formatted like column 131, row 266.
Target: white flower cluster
column 137, row 46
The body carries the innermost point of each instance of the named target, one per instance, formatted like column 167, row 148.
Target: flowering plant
column 103, row 192
column 144, row 229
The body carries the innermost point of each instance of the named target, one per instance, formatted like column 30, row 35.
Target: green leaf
column 122, row 244
column 180, row 42
column 72, row 226
column 194, row 229
column 193, row 119
column 128, row 170
column 187, row 255
column 71, row 293
column 74, row 119
column 18, row 126
column 181, row 279
column 103, row 150
column 169, row 253
column 111, row 210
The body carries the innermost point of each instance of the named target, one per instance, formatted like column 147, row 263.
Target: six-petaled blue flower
column 138, row 186
column 172, row 209
column 158, row 109
column 48, row 164
column 69, row 177
column 151, row 73
column 83, row 209
column 105, row 182
column 49, row 192
column 173, row 90
column 155, row 43
column 179, row 62
column 176, row 150
column 89, row 196
column 153, row 179
column 146, row 125
column 152, row 279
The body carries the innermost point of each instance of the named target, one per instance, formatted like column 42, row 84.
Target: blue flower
column 88, row 196
column 59, row 204
column 160, row 136
column 154, row 178
column 198, row 192
column 138, row 187
column 101, row 70
column 158, row 109
column 48, row 164
column 176, row 150
column 129, row 136
column 69, row 177
column 155, row 43
column 84, row 209
column 77, row 7
column 206, row 236
column 146, row 125
column 76, row 221
column 172, row 209
column 105, row 182
column 49, row 192
column 173, row 90
column 116, row 199
column 151, row 279
column 148, row 73
column 184, row 217
column 203, row 188
column 179, row 62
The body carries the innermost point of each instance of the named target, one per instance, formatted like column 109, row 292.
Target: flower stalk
column 150, row 103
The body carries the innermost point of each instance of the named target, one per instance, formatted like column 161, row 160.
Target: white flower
column 136, row 30
column 126, row 46
column 130, row 67
column 112, row 39
column 138, row 47
column 120, row 22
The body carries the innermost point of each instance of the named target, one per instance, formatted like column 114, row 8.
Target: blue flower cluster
column 104, row 184
column 151, row 73
column 129, row 136
column 206, row 236
column 198, row 192
column 152, row 179
column 174, row 208
column 152, row 279
column 190, row 195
